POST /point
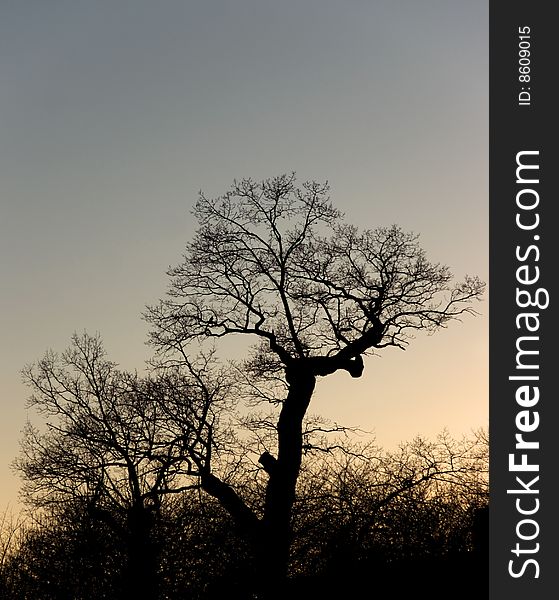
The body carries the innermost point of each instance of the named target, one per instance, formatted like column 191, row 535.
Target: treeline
column 411, row 519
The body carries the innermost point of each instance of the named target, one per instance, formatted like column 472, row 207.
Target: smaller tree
column 117, row 444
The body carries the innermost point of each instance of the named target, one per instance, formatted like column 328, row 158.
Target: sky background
column 115, row 113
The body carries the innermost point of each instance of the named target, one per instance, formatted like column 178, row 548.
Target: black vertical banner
column 524, row 403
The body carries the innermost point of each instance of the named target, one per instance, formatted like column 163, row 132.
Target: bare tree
column 117, row 444
column 275, row 262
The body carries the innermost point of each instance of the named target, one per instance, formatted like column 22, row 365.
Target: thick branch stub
column 268, row 462
column 326, row 365
column 355, row 367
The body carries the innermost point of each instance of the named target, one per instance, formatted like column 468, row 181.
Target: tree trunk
column 280, row 492
column 141, row 581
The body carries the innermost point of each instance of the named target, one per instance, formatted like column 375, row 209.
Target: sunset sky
column 114, row 114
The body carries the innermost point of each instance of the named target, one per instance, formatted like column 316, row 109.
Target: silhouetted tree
column 275, row 262
column 116, row 444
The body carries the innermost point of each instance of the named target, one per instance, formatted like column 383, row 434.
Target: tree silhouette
column 276, row 262
column 116, row 444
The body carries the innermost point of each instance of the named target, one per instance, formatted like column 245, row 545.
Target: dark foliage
column 360, row 522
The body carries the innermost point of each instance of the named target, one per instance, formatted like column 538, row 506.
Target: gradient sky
column 114, row 113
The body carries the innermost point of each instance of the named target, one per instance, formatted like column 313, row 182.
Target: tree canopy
column 277, row 262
